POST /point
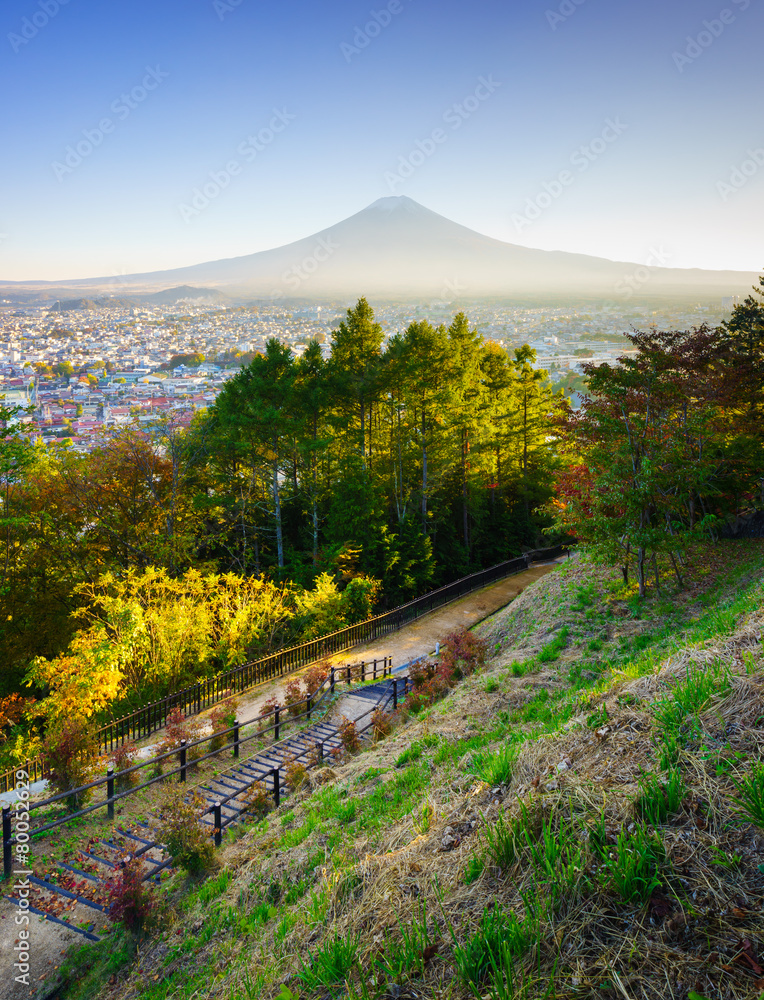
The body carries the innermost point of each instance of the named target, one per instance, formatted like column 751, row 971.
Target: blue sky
column 614, row 128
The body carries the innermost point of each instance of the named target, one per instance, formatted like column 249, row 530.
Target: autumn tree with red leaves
column 666, row 445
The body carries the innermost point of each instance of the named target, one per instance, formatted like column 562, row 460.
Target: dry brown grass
column 701, row 930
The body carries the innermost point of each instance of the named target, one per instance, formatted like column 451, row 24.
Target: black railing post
column 395, row 693
column 310, row 705
column 363, row 671
column 349, row 671
column 332, row 680
column 277, row 786
column 110, row 790
column 7, row 855
column 236, row 740
column 218, row 818
column 277, row 729
column 182, row 775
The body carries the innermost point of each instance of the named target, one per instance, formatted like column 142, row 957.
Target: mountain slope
column 397, row 248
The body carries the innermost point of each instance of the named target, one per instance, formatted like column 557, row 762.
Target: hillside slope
column 568, row 822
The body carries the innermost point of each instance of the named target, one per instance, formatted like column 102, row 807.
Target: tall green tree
column 465, row 348
column 256, row 407
column 355, row 368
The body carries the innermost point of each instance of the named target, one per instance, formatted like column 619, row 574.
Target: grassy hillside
column 575, row 821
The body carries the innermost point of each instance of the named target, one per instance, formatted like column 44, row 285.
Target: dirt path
column 419, row 638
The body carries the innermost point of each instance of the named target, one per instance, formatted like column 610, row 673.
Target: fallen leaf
column 429, row 953
column 748, row 954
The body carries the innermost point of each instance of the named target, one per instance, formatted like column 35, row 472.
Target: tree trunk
column 424, row 474
column 277, row 512
column 641, row 570
column 363, row 433
column 314, row 498
column 465, row 512
column 678, row 575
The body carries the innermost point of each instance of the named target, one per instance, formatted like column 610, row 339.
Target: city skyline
column 144, row 139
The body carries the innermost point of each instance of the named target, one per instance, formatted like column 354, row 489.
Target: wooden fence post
column 277, row 786
column 110, row 790
column 218, row 819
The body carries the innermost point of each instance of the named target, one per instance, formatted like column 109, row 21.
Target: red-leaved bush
column 461, row 654
column 294, row 698
column 131, row 901
column 349, row 737
column 315, row 676
column 123, row 758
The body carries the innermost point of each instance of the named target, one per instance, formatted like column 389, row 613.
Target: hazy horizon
column 145, row 139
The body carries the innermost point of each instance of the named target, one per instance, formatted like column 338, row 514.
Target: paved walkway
column 408, row 643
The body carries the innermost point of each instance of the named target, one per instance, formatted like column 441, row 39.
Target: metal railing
column 196, row 697
column 311, row 703
column 283, row 716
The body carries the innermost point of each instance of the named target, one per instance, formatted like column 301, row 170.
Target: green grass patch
column 552, row 650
